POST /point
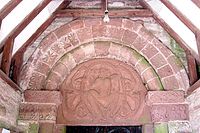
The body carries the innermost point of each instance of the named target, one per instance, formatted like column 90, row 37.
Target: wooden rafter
column 197, row 2
column 4, row 77
column 7, row 52
column 193, row 77
column 197, row 35
column 100, row 13
column 179, row 15
column 17, row 59
column 190, row 59
column 8, row 8
column 195, row 86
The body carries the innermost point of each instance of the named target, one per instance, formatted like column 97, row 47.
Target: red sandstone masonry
column 158, row 61
column 78, row 24
column 149, row 51
column 139, row 43
column 169, row 112
column 84, row 34
column 165, row 71
column 129, row 37
column 113, row 32
column 42, row 96
column 61, row 69
column 91, row 22
column 131, row 25
column 170, row 83
column 102, row 48
column 59, row 33
column 48, row 40
column 42, row 67
column 156, row 97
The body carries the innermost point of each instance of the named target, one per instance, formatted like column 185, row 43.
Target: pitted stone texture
column 9, row 105
column 156, row 97
column 102, row 91
column 38, row 112
column 118, row 30
column 42, row 96
column 179, row 127
column 169, row 112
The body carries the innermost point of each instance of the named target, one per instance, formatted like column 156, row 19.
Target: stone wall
column 9, row 106
column 194, row 110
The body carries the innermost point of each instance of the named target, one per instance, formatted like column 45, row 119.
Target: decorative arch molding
column 101, row 50
column 122, row 34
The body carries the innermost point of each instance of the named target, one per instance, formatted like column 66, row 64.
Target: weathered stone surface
column 155, row 97
column 179, row 127
column 169, row 112
column 112, row 90
column 38, row 112
column 9, row 105
column 42, row 96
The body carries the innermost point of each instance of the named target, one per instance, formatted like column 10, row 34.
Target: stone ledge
column 42, row 96
column 38, row 112
column 156, row 97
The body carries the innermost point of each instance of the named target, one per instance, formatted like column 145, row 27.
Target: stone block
column 156, row 97
column 84, row 34
column 165, row 71
column 129, row 37
column 42, row 96
column 149, row 51
column 158, row 61
column 101, row 48
column 170, row 83
column 179, row 127
column 169, row 112
column 38, row 112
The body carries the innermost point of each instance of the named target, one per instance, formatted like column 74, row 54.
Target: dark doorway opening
column 104, row 129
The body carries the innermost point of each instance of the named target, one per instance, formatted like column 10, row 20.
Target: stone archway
column 63, row 53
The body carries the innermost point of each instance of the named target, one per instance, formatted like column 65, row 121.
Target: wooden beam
column 167, row 28
column 100, row 13
column 8, row 8
column 190, row 59
column 195, row 86
column 17, row 59
column 197, row 35
column 4, row 77
column 7, row 52
column 179, row 15
column 15, row 32
column 197, row 2
column 192, row 68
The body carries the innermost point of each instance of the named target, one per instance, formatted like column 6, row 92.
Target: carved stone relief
column 101, row 91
